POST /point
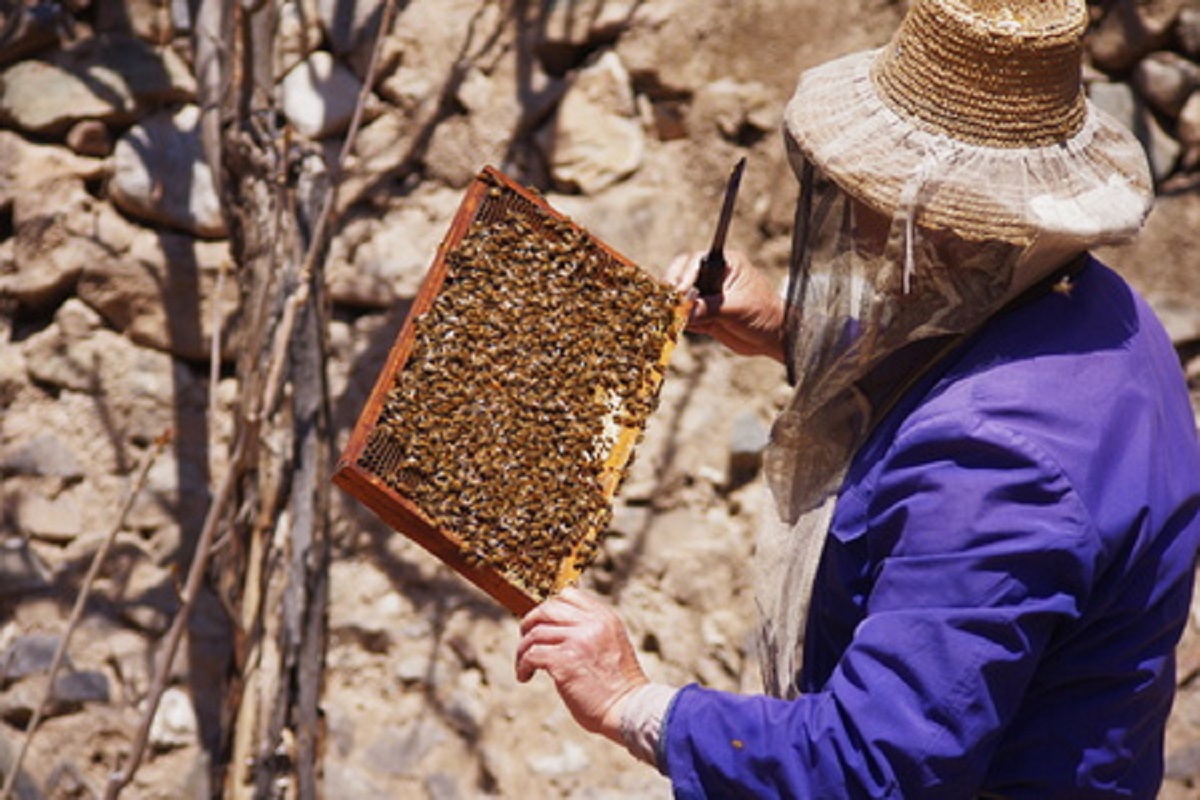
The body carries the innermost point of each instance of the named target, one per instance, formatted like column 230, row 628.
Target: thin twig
column 85, row 590
column 214, row 355
column 325, row 220
column 191, row 590
column 249, row 432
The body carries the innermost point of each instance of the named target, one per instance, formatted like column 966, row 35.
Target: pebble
column 319, row 96
column 174, row 724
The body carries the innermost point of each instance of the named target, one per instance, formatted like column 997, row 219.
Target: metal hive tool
column 510, row 405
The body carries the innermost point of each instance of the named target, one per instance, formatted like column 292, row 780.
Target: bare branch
column 135, row 487
column 259, row 408
column 191, row 589
column 325, row 221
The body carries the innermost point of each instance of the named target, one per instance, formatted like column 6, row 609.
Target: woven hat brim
column 1095, row 188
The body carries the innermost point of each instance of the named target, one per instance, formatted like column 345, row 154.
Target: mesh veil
column 970, row 128
column 872, row 303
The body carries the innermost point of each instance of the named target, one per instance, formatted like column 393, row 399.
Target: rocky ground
column 628, row 114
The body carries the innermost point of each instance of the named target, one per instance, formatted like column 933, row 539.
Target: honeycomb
column 516, row 393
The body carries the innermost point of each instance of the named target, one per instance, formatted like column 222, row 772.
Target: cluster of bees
column 538, row 348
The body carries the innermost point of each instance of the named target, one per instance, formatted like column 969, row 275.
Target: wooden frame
column 398, row 511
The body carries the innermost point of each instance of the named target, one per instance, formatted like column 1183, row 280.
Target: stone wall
column 628, row 114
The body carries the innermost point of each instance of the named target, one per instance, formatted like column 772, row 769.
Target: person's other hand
column 585, row 649
column 747, row 316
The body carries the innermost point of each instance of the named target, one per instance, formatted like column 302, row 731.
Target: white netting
column 873, row 301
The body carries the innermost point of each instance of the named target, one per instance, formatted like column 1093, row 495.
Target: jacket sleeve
column 978, row 549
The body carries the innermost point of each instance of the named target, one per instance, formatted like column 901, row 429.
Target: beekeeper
column 988, row 478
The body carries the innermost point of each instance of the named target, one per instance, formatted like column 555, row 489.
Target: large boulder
column 110, row 78
column 161, row 289
column 596, row 138
column 160, row 174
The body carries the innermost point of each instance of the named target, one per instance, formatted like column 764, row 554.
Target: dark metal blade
column 731, row 191
column 712, row 267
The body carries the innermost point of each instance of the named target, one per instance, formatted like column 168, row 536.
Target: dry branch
column 295, row 348
column 85, row 590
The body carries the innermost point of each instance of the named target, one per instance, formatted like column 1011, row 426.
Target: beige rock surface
column 106, row 323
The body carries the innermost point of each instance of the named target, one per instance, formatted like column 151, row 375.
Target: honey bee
column 493, row 424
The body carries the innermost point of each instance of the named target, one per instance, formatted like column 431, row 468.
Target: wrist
column 643, row 716
column 611, row 721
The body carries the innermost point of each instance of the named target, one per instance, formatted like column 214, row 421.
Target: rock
column 378, row 260
column 28, row 655
column 141, row 391
column 24, row 788
column 57, row 519
column 149, row 20
column 690, row 561
column 412, row 669
column 25, row 168
column 568, row 32
column 14, row 376
column 28, row 29
column 1165, row 80
column 1163, row 150
column 571, row 759
column 384, row 145
column 743, row 113
column 345, row 780
column 1183, row 763
column 462, row 144
column 415, row 122
column 157, row 506
column 21, row 572
column 1116, row 99
column 82, row 686
column 298, row 34
column 52, row 242
column 90, row 137
column 1189, row 121
column 1181, row 319
column 748, row 438
column 18, row 703
column 398, row 751
column 465, row 708
column 442, row 786
column 44, row 455
column 71, row 693
column 646, row 219
column 1129, row 31
column 350, row 25
column 150, row 607
column 458, row 149
column 159, row 174
column 597, row 137
column 174, row 723
column 319, row 96
column 161, row 291
column 1187, row 30
column 110, row 78
column 62, row 357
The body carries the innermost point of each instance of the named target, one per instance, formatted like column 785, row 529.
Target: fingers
column 563, row 629
column 546, row 628
column 537, row 650
column 562, row 609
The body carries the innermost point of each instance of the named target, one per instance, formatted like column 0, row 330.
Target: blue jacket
column 1008, row 572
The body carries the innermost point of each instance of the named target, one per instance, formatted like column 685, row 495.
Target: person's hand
column 584, row 647
column 747, row 316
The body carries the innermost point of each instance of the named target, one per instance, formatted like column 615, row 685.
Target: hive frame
column 398, row 511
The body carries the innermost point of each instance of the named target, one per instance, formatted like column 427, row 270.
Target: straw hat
column 973, row 119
